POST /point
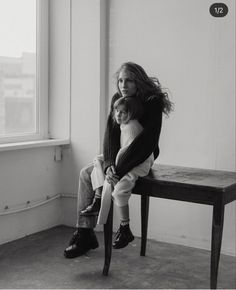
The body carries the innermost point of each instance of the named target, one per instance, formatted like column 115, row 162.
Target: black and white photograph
column 117, row 144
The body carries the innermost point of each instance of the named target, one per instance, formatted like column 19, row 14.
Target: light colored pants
column 122, row 190
column 85, row 198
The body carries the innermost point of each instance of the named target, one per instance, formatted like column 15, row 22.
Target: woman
column 132, row 81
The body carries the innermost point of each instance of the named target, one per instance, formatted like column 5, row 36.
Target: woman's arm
column 146, row 142
column 111, row 142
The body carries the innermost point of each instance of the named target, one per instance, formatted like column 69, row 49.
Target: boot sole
column 75, row 254
column 89, row 213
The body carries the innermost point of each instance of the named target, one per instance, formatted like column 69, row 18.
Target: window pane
column 17, row 67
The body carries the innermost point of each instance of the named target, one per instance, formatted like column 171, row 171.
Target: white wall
column 59, row 68
column 193, row 55
column 28, row 175
column 85, row 86
column 87, row 97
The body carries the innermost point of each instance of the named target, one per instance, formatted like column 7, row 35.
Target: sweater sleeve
column 111, row 141
column 146, row 142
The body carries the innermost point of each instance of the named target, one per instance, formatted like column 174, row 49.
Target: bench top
column 216, row 179
column 182, row 182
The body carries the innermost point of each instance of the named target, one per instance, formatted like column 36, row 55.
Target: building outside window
column 21, row 55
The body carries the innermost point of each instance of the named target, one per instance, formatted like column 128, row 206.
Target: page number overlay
column 219, row 10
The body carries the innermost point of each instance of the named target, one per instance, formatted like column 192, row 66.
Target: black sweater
column 143, row 145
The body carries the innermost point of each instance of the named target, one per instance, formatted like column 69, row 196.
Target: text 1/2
column 219, row 10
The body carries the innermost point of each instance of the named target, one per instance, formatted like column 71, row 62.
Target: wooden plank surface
column 215, row 179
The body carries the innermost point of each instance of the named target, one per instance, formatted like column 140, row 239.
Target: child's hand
column 111, row 176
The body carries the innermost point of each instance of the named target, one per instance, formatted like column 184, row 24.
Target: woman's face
column 126, row 84
column 121, row 114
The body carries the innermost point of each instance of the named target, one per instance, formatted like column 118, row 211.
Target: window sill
column 33, row 144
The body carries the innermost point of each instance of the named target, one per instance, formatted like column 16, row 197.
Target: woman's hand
column 111, row 175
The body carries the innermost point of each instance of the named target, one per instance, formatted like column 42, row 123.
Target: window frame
column 42, row 76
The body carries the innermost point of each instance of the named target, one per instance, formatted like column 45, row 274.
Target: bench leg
column 108, row 229
column 216, row 239
column 144, row 222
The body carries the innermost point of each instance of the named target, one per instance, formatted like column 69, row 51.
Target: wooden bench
column 203, row 186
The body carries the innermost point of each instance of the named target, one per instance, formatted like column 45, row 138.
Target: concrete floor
column 37, row 262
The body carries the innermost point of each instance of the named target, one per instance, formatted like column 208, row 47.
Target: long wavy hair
column 147, row 87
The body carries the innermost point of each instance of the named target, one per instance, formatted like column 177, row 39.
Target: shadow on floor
column 37, row 262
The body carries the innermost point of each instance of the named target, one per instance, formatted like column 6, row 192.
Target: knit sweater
column 142, row 146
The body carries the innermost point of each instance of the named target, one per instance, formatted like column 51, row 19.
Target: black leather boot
column 93, row 208
column 123, row 237
column 74, row 237
column 82, row 241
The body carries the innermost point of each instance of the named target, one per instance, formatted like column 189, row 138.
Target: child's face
column 126, row 84
column 121, row 115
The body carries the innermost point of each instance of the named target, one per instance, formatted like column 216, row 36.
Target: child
column 126, row 112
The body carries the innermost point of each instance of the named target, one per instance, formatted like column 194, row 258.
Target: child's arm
column 129, row 132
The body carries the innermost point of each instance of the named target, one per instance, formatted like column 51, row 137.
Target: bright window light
column 19, row 66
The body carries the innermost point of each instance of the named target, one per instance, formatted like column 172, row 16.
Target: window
column 23, row 70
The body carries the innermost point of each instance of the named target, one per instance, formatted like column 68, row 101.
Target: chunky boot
column 74, row 238
column 84, row 240
column 123, row 237
column 92, row 209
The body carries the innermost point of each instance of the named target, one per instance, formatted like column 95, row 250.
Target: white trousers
column 122, row 190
